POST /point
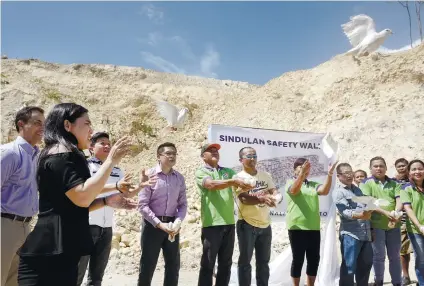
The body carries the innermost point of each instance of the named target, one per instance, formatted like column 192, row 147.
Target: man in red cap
column 217, row 215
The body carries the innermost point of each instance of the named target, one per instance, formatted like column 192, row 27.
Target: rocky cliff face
column 372, row 108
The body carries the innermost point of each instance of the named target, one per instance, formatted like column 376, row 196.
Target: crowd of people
column 75, row 197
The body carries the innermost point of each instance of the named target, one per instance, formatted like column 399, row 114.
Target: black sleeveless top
column 62, row 227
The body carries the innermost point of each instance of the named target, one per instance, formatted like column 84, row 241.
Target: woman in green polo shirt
column 412, row 197
column 303, row 219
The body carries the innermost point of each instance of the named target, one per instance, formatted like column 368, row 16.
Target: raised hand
column 331, row 170
column 306, row 167
column 146, row 180
column 119, row 201
column 119, row 149
column 124, row 185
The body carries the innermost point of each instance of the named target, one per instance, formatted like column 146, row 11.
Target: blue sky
column 244, row 41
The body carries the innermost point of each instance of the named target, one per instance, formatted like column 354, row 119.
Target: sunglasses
column 250, row 156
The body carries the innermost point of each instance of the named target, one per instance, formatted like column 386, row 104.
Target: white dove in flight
column 172, row 114
column 370, row 202
column 361, row 33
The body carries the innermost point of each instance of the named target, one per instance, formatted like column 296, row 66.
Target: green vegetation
column 138, row 126
column 51, row 94
column 96, row 71
column 418, row 77
column 138, row 147
column 4, row 79
column 77, row 67
column 38, row 80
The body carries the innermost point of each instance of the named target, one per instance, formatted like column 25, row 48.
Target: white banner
column 277, row 150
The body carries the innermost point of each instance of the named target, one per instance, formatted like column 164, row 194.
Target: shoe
column 378, row 283
column 406, row 281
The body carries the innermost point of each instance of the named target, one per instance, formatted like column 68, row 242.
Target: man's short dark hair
column 362, row 171
column 340, row 166
column 25, row 114
column 378, row 158
column 96, row 136
column 401, row 160
column 242, row 150
column 162, row 146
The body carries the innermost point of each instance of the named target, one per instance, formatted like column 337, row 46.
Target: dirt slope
column 372, row 108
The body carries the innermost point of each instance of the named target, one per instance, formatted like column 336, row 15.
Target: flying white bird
column 361, row 33
column 370, row 202
column 172, row 114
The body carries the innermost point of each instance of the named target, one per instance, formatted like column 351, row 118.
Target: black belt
column 16, row 217
column 166, row 218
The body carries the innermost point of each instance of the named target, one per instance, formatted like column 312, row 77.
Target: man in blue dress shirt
column 19, row 196
column 355, row 230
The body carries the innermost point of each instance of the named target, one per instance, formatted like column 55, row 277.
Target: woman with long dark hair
column 412, row 197
column 61, row 236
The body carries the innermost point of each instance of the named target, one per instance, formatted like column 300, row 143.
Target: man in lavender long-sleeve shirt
column 19, row 196
column 159, row 205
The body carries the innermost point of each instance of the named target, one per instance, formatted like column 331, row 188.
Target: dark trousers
column 253, row 238
column 52, row 270
column 305, row 242
column 217, row 241
column 153, row 240
column 102, row 238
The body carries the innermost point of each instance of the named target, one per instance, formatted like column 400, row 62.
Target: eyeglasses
column 170, row 154
column 347, row 174
column 250, row 156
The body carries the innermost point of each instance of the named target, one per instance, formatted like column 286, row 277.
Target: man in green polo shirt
column 217, row 215
column 387, row 236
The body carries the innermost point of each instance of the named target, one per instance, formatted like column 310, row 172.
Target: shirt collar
column 95, row 160
column 209, row 167
column 158, row 169
column 377, row 180
column 341, row 185
column 403, row 180
column 31, row 150
column 305, row 181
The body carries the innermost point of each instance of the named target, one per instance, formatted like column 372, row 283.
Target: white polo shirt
column 103, row 217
